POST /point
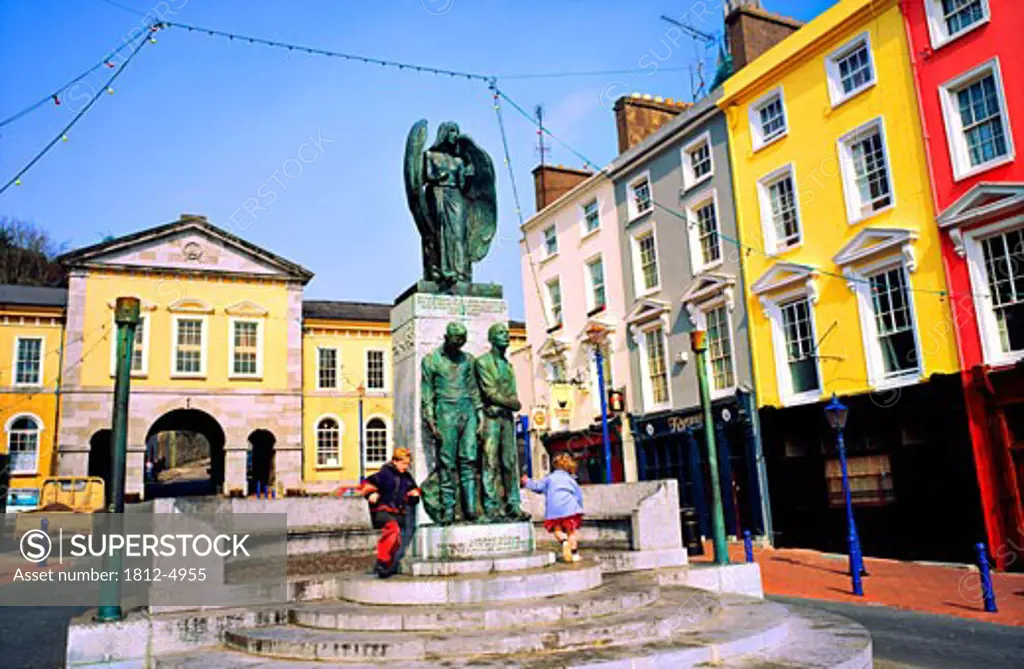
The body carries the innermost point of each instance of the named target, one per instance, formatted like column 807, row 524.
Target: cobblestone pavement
column 929, row 588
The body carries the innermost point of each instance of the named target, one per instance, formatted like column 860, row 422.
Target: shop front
column 586, row 446
column 671, row 444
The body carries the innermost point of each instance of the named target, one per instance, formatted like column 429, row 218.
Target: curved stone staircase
column 542, row 616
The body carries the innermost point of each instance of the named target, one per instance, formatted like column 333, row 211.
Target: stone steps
column 681, row 612
column 471, row 588
column 536, row 560
column 624, row 594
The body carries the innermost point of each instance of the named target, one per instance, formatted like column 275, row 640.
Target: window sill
column 322, row 468
column 809, row 397
column 846, row 97
column 587, row 234
column 597, row 310
column 554, row 328
column 907, row 379
column 1005, row 360
column 639, row 217
column 245, row 377
column 179, row 375
column 708, row 267
column 773, row 140
column 724, row 392
column 648, row 292
column 28, row 386
column 548, row 258
column 984, row 167
column 25, row 473
column 877, row 212
column 949, row 39
column 688, row 186
column 783, row 250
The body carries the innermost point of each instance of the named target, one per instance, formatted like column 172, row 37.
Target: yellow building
column 832, row 194
column 31, row 332
column 228, row 349
column 846, row 290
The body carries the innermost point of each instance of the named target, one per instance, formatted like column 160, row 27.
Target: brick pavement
column 912, row 586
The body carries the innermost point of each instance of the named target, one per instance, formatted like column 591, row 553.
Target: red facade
column 970, row 84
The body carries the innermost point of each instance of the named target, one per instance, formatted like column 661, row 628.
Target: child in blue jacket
column 563, row 503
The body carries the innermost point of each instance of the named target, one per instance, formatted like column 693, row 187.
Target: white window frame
column 631, row 209
column 988, row 328
column 646, row 389
column 204, row 333
column 704, row 308
column 955, row 138
column 366, row 369
column 937, row 29
column 588, row 281
column 835, row 86
column 42, row 362
column 638, row 274
column 756, row 134
column 851, row 194
column 584, row 232
column 549, row 304
column 316, row 442
column 337, row 367
column 388, row 445
column 858, row 280
column 697, row 264
column 764, row 184
column 144, row 321
column 689, row 180
column 550, row 365
column 772, row 307
column 553, row 229
column 39, row 442
column 231, row 347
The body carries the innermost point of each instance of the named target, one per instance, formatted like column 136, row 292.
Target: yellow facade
column 846, row 233
column 34, row 401
column 336, row 396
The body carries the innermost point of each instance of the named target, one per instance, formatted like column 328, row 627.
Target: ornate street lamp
column 699, row 344
column 836, row 412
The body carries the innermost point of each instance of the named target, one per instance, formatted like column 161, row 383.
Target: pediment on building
column 246, row 308
column 784, row 276
column 647, row 310
column 709, row 291
column 553, row 347
column 190, row 244
column 983, row 202
column 190, row 305
column 872, row 243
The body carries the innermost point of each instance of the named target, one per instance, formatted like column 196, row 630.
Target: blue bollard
column 44, row 526
column 748, row 546
column 273, row 493
column 259, row 489
column 987, row 591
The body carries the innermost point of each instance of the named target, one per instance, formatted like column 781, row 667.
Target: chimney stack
column 551, row 182
column 751, row 30
column 637, row 116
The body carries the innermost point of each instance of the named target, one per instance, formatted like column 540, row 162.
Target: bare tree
column 27, row 254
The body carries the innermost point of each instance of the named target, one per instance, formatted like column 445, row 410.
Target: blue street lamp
column 837, row 412
column 597, row 335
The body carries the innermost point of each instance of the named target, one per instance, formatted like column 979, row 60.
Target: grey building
column 681, row 272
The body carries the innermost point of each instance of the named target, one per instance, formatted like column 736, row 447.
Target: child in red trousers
column 391, row 492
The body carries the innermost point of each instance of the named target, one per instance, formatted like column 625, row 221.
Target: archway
column 100, row 456
column 261, row 460
column 187, row 447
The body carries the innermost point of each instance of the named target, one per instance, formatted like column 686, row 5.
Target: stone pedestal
column 418, row 322
column 467, row 542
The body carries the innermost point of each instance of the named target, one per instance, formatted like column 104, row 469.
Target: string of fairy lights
column 147, row 35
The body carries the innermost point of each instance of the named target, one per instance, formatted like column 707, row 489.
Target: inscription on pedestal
column 473, row 541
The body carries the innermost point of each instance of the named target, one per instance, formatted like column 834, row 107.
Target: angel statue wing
column 481, row 199
column 416, row 195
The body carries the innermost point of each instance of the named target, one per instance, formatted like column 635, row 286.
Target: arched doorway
column 100, row 456
column 187, row 447
column 261, row 460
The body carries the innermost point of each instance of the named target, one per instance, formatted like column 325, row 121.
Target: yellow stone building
column 228, row 349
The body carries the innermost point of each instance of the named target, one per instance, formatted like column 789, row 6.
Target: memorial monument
column 455, row 396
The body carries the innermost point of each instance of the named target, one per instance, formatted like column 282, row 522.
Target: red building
column 970, row 84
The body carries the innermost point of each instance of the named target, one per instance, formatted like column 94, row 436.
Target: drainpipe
column 54, row 450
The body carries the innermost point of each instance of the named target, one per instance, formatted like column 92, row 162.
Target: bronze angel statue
column 451, row 194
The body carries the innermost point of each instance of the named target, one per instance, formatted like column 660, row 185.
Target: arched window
column 23, row 445
column 328, row 443
column 376, row 441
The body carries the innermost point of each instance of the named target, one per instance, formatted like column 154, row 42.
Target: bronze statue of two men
column 470, row 402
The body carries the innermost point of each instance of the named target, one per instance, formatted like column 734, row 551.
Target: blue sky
column 202, row 125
